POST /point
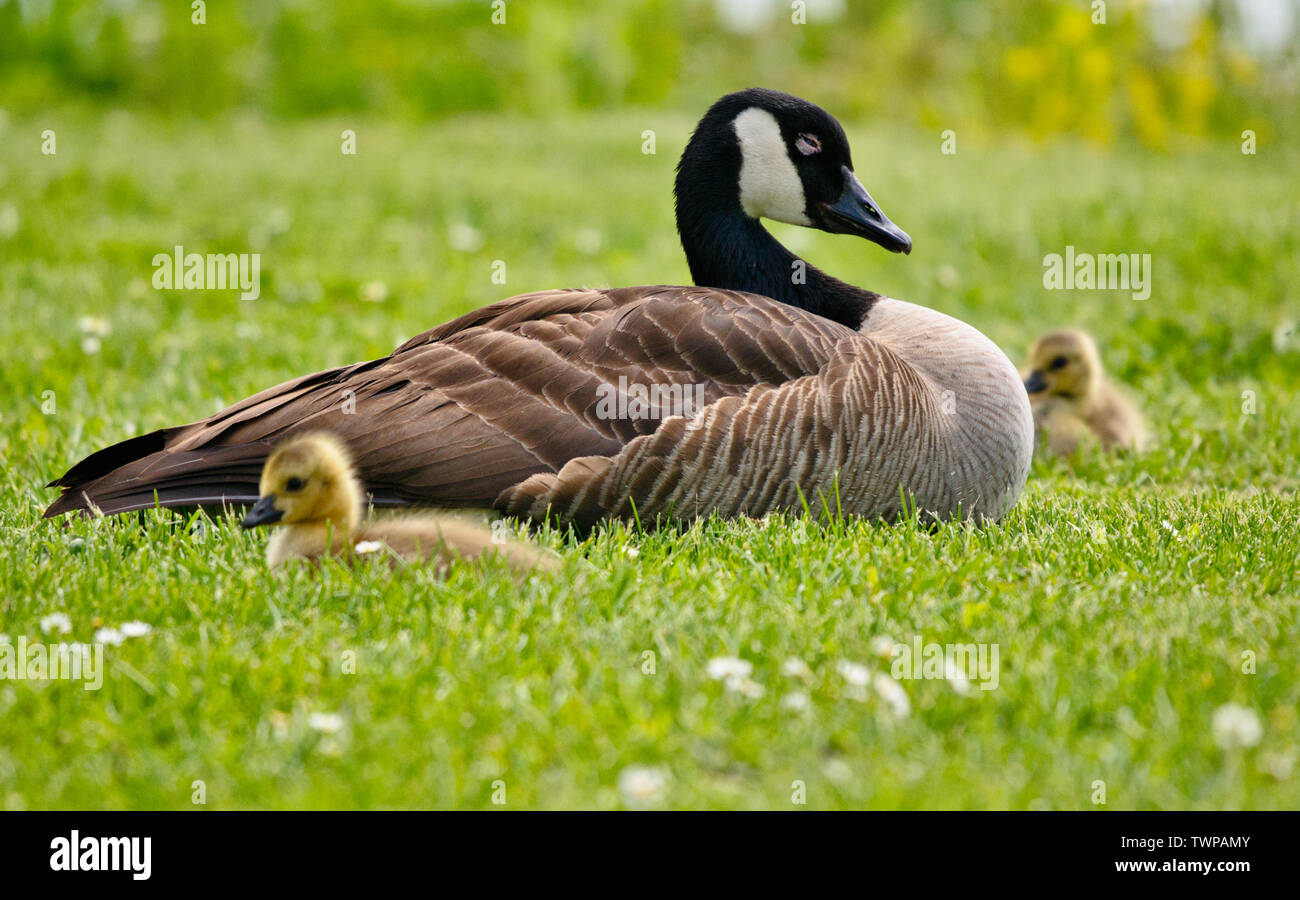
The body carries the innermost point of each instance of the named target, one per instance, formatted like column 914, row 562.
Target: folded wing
column 465, row 412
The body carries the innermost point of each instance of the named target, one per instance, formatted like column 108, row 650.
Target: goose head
column 308, row 479
column 771, row 155
column 1064, row 365
column 762, row 154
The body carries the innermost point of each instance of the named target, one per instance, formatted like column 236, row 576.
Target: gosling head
column 778, row 157
column 1064, row 364
column 308, row 479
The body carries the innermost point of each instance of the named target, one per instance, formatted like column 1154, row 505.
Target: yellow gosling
column 311, row 494
column 1072, row 399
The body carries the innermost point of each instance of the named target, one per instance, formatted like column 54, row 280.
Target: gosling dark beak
column 1035, row 384
column 856, row 213
column 262, row 513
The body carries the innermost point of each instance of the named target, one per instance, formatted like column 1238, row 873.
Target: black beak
column 856, row 213
column 262, row 513
column 1035, row 384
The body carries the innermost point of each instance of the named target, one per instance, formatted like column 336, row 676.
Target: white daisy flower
column 747, row 687
column 368, row 546
column 853, row 673
column 1278, row 764
column 1235, row 725
column 326, row 723
column 734, row 674
column 94, row 325
column 837, row 770
column 795, row 700
column 893, row 694
column 795, row 667
column 56, row 622
column 135, row 629
column 882, row 646
column 109, row 636
column 723, row 667
column 956, row 677
column 90, row 345
column 642, row 785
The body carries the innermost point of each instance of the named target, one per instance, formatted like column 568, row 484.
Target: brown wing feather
column 776, row 448
column 462, row 413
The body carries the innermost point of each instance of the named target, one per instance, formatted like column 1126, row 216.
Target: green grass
column 1122, row 591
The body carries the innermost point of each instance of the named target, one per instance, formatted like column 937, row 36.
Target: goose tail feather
column 142, row 472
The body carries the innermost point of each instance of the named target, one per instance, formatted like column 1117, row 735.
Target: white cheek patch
column 769, row 184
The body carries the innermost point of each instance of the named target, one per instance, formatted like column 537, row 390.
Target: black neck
column 727, row 248
column 737, row 253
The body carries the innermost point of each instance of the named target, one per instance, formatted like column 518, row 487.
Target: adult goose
column 800, row 386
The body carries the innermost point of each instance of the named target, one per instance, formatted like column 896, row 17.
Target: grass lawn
column 1126, row 595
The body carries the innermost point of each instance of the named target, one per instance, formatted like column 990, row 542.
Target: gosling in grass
column 1073, row 401
column 311, row 493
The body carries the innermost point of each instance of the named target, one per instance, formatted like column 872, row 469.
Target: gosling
column 1072, row 400
column 311, row 492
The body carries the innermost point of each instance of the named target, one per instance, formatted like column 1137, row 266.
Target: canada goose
column 809, row 387
column 1072, row 399
column 311, row 494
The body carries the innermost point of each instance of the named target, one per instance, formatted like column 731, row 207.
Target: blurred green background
column 1156, row 71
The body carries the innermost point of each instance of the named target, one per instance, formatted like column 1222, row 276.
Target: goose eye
column 1058, row 362
column 293, row 485
column 808, row 144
